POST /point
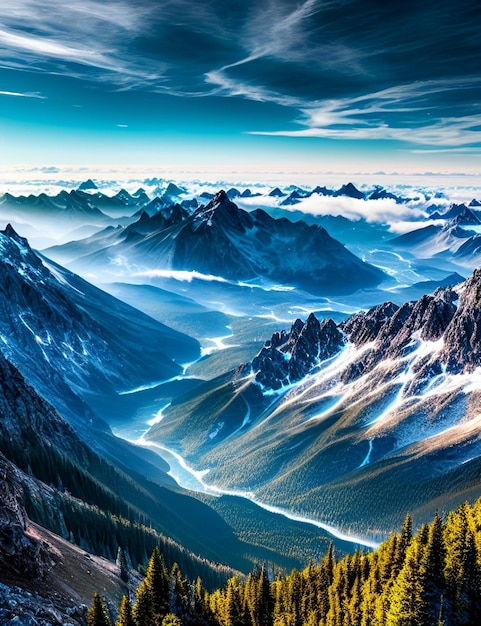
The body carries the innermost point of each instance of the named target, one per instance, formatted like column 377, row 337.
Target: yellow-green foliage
column 432, row 578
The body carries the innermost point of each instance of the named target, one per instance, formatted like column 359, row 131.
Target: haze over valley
column 198, row 285
column 228, row 357
column 240, row 313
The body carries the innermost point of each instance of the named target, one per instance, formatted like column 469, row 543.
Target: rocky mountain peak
column 12, row 234
column 222, row 212
column 396, row 332
column 173, row 190
column 276, row 193
column 289, row 356
column 438, row 313
column 220, row 197
column 365, row 327
column 462, row 339
column 350, row 190
column 86, row 185
column 428, row 317
column 467, row 217
column 18, row 259
column 322, row 191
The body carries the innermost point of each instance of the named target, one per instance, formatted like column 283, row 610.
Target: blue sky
column 218, row 86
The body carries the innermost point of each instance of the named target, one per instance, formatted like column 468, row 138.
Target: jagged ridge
column 220, row 239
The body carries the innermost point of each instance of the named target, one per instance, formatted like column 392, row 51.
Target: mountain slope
column 326, row 419
column 432, row 240
column 72, row 340
column 222, row 240
column 49, row 475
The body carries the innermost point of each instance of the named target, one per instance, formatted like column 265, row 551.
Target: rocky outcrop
column 288, row 357
column 20, row 554
column 365, row 327
column 393, row 327
column 389, row 333
column 24, row 608
column 462, row 339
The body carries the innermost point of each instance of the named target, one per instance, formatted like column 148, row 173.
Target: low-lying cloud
column 384, row 210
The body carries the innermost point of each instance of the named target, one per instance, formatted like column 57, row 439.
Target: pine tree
column 157, row 583
column 179, row 591
column 372, row 590
column 402, row 545
column 266, row 602
column 309, row 603
column 258, row 600
column 125, row 617
column 98, row 614
column 142, row 609
column 325, row 578
column 293, row 599
column 407, row 607
column 232, row 604
column 462, row 570
column 201, row 600
column 122, row 564
column 433, row 565
column 355, row 603
column 279, row 593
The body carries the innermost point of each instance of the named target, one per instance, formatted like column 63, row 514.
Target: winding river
column 134, row 431
column 192, row 479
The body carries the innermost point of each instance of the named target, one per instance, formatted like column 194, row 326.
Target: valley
column 308, row 394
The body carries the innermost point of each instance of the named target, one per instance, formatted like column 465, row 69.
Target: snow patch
column 216, row 431
column 367, row 458
column 218, row 343
column 423, row 350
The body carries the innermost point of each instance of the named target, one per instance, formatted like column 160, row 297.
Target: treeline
column 430, row 579
column 37, row 457
column 82, row 505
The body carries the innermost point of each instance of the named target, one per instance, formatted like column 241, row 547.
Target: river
column 192, row 479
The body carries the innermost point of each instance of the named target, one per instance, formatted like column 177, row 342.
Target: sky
column 221, row 86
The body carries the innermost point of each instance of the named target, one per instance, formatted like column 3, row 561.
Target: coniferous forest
column 428, row 578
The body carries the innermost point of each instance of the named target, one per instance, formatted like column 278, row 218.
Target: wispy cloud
column 49, row 48
column 358, row 74
column 348, row 69
column 17, row 94
column 225, row 85
column 448, row 132
column 84, row 15
column 385, row 210
column 61, row 38
column 407, row 113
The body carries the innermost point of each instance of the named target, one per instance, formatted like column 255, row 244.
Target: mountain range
column 73, row 341
column 328, row 415
column 73, row 362
column 220, row 239
column 453, row 235
column 365, row 406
